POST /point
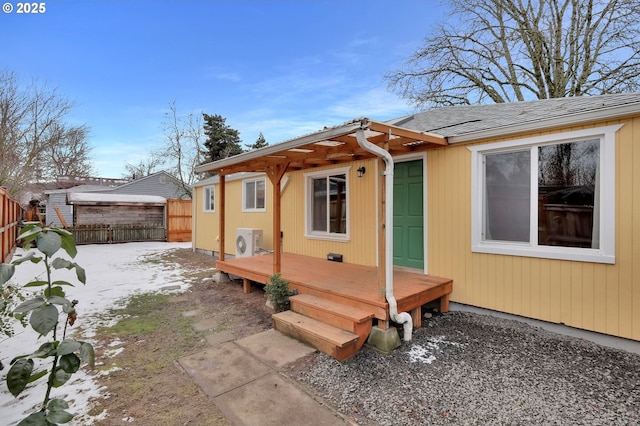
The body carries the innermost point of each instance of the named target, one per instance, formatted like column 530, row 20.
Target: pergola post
column 275, row 174
column 221, row 216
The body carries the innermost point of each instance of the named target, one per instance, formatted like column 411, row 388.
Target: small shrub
column 278, row 292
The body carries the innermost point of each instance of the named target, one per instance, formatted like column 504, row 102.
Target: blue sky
column 283, row 68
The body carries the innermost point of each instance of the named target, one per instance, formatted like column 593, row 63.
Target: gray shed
column 108, row 217
column 116, row 209
column 57, row 199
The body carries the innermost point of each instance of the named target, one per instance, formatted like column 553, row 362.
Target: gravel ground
column 471, row 369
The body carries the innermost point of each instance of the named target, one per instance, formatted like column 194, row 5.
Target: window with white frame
column 551, row 196
column 327, row 204
column 254, row 195
column 209, row 199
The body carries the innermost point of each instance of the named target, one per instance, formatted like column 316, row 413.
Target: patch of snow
column 425, row 354
column 421, row 354
column 106, row 372
column 114, row 272
column 113, row 352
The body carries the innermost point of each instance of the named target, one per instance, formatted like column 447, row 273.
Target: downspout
column 402, row 317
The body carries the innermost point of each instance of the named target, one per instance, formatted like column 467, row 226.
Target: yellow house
column 527, row 208
column 247, row 207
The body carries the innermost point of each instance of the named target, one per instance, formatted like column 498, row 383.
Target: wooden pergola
column 327, row 147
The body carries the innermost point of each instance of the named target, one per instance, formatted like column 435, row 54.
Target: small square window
column 254, row 195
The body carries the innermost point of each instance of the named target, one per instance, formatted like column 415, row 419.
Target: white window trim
column 308, row 190
column 205, row 199
column 244, row 195
column 606, row 252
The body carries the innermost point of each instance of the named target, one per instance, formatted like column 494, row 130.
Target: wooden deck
column 348, row 284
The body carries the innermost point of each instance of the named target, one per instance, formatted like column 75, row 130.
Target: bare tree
column 69, row 152
column 152, row 164
column 515, row 50
column 30, row 123
column 182, row 149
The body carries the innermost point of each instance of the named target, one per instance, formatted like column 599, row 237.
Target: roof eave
column 570, row 119
column 228, row 178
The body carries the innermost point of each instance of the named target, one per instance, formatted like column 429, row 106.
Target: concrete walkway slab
column 273, row 401
column 274, row 348
column 206, row 324
column 223, row 368
column 242, row 378
column 215, row 339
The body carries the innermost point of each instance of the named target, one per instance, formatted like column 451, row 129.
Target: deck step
column 355, row 320
column 331, row 340
column 319, row 304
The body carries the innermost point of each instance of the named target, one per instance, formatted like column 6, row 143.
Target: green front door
column 408, row 215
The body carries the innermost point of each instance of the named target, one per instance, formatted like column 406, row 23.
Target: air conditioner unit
column 248, row 242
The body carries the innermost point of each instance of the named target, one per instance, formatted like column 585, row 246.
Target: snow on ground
column 113, row 272
column 426, row 354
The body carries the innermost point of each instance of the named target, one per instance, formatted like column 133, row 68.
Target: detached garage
column 111, row 218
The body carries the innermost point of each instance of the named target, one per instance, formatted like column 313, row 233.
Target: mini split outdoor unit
column 248, row 242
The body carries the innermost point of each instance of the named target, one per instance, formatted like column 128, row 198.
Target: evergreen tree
column 222, row 141
column 259, row 143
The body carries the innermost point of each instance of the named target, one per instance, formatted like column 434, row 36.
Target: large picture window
column 254, row 195
column 551, row 196
column 209, row 200
column 327, row 204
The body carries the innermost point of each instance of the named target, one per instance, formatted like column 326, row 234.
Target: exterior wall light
column 361, row 171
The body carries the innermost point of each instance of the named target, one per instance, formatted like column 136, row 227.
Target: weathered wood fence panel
column 10, row 215
column 179, row 220
column 100, row 234
column 117, row 215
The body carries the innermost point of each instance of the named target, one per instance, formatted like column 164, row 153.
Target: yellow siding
column 361, row 248
column 207, row 224
column 599, row 297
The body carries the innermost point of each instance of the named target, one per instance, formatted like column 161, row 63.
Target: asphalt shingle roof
column 462, row 120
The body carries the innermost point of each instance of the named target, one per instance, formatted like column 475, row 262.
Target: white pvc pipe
column 402, row 317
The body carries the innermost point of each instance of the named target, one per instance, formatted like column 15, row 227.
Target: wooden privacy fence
column 179, row 220
column 10, row 215
column 96, row 234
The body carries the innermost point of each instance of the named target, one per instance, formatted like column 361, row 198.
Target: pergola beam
column 260, row 160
